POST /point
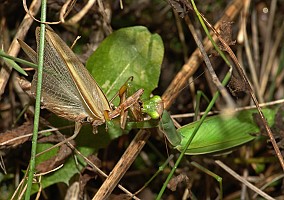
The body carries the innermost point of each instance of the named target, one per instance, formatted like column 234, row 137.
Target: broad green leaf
column 220, row 133
column 43, row 146
column 127, row 52
column 86, row 142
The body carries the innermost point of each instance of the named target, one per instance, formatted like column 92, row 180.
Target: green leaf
column 219, row 133
column 86, row 142
column 43, row 146
column 127, row 52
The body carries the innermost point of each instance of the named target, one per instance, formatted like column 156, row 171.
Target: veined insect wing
column 68, row 89
column 93, row 99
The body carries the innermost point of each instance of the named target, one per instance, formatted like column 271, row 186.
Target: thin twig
column 251, row 63
column 271, row 59
column 32, row 15
column 185, row 52
column 242, row 180
column 100, row 171
column 268, row 38
column 229, row 101
column 251, row 92
column 76, row 18
column 281, row 101
column 123, row 164
column 190, row 67
column 15, row 47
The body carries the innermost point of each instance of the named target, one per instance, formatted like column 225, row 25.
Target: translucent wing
column 61, row 90
column 93, row 99
column 59, row 93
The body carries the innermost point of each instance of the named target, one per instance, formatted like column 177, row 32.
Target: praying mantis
column 181, row 132
column 77, row 96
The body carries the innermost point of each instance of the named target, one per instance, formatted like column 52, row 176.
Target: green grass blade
column 15, row 66
column 3, row 54
column 37, row 105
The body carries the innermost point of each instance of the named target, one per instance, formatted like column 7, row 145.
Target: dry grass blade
column 251, row 92
column 242, row 180
column 14, row 47
column 190, row 67
column 100, row 171
column 123, row 164
column 229, row 100
column 75, row 19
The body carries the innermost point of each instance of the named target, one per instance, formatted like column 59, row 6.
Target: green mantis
column 217, row 133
